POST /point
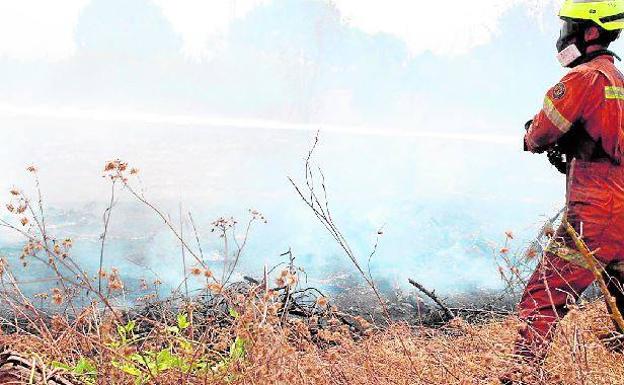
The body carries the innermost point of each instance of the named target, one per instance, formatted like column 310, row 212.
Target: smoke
column 443, row 202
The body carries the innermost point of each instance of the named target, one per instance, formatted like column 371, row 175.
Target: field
column 267, row 330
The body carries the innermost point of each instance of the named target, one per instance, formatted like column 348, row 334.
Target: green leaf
column 201, row 365
column 84, row 366
column 185, row 344
column 165, row 360
column 237, row 349
column 60, row 365
column 130, row 326
column 233, row 313
column 127, row 368
column 183, row 321
column 122, row 333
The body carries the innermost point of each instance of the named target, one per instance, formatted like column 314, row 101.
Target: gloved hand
column 527, row 126
column 557, row 158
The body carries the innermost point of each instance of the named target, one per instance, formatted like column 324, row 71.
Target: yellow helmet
column 608, row 14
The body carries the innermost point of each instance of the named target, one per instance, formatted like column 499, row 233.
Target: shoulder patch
column 559, row 91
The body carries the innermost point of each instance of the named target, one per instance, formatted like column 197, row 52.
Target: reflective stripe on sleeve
column 614, row 92
column 555, row 116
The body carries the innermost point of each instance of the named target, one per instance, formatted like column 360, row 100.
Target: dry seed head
column 31, row 168
column 322, row 301
column 509, row 234
column 134, row 171
column 21, row 209
column 67, row 243
column 196, row 271
column 531, row 253
column 24, row 221
column 57, row 299
column 14, row 192
column 504, row 250
column 215, row 288
column 223, row 224
column 147, row 297
column 110, row 166
column 57, row 296
column 257, row 215
column 207, row 273
column 114, row 283
column 10, row 207
column 57, row 323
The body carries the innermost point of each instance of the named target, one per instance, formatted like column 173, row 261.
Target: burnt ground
column 353, row 296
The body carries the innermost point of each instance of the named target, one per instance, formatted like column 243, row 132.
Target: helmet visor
column 570, row 30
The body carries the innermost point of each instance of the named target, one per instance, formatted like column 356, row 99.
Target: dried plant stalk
column 596, row 270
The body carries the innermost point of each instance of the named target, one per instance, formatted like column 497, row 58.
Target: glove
column 557, row 158
column 527, row 126
column 555, row 154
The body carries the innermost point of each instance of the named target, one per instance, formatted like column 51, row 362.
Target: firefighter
column 581, row 126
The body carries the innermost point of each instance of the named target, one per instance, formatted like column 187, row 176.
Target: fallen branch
column 433, row 297
column 15, row 369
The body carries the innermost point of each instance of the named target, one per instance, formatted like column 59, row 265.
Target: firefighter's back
column 595, row 197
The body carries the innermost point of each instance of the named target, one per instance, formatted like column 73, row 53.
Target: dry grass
column 287, row 353
column 270, row 332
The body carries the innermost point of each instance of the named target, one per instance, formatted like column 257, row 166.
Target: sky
column 371, row 64
column 421, row 109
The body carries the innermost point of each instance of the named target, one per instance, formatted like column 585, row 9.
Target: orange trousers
column 595, row 208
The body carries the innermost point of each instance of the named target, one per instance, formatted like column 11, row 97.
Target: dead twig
column 433, row 297
column 107, row 215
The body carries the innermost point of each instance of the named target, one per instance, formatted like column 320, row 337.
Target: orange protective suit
column 591, row 93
